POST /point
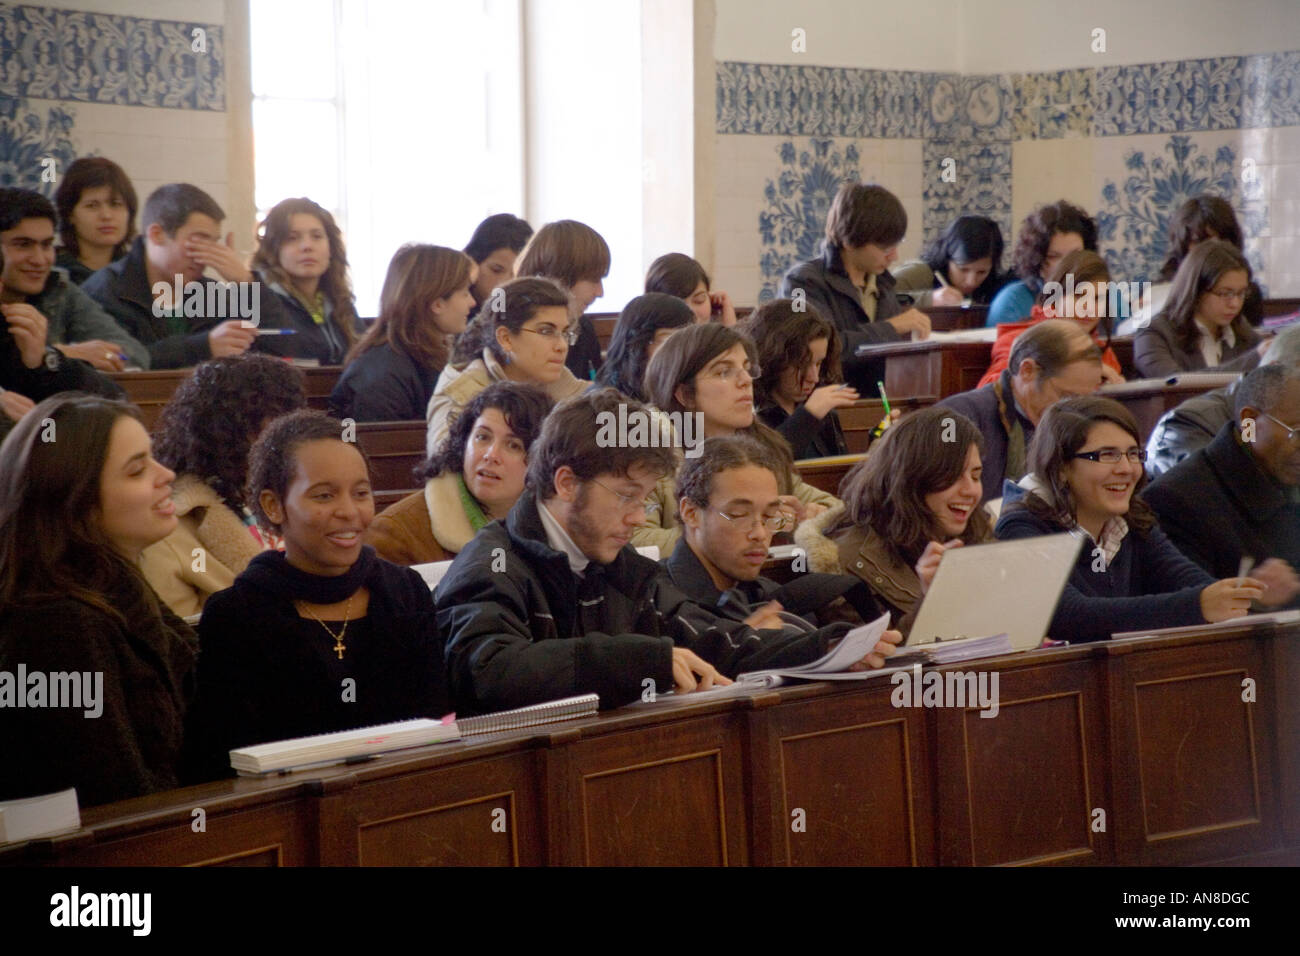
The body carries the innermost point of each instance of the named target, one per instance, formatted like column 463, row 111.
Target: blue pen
column 277, row 331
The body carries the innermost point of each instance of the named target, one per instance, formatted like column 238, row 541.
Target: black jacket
column 1219, row 506
column 584, row 355
column 134, row 746
column 808, row 596
column 268, row 674
column 383, row 385
column 1189, row 427
column 325, row 343
column 808, row 437
column 57, row 373
column 980, row 405
column 1149, row 584
column 123, row 289
column 522, row 628
column 832, row 293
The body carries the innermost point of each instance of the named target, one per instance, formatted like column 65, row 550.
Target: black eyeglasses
column 1112, row 456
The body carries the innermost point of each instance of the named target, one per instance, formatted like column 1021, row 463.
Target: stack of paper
column 856, row 645
column 949, row 652
column 39, row 816
column 323, row 749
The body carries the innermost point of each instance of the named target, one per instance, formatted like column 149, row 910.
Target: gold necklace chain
column 339, row 646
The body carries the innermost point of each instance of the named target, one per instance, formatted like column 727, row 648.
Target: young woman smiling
column 341, row 616
column 1201, row 327
column 302, row 261
column 708, row 372
column 526, row 341
column 97, row 206
column 914, row 497
column 797, row 351
column 1085, row 464
column 75, row 513
column 393, row 369
column 475, row 477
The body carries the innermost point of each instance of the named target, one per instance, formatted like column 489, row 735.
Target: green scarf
column 477, row 519
column 1016, row 454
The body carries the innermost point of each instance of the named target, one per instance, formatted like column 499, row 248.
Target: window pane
column 292, row 48
column 295, row 149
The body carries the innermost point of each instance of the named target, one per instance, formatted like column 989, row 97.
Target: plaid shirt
column 1112, row 536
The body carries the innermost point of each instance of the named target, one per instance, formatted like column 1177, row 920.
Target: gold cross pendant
column 338, row 647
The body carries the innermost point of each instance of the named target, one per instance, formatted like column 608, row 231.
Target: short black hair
column 641, row 319
column 501, row 231
column 524, row 407
column 271, row 461
column 19, row 204
column 172, row 205
column 722, row 453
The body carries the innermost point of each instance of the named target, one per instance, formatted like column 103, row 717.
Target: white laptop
column 1009, row 587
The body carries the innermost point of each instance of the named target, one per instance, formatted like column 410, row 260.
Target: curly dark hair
column 524, row 407
column 1036, row 235
column 625, row 360
column 1058, row 437
column 271, row 461
column 782, row 335
column 215, row 415
column 886, row 491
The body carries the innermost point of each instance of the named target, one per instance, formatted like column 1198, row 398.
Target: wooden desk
column 1150, row 398
column 931, row 367
column 1153, row 733
column 1275, row 307
column 150, row 391
column 827, row 473
column 947, row 318
column 858, row 420
column 394, row 450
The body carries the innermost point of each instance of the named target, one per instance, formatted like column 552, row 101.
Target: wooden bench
column 1148, row 399
column 1152, row 731
column 859, row 419
column 150, row 391
column 394, row 450
column 827, row 473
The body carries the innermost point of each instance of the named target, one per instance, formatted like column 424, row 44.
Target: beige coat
column 210, row 545
column 453, row 394
column 430, row 525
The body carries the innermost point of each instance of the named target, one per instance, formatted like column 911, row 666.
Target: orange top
column 1009, row 331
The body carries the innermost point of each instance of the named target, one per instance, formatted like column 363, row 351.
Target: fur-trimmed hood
column 823, row 555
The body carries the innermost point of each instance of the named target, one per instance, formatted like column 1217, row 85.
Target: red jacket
column 1009, row 331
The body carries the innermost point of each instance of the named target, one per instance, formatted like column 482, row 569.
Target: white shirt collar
column 559, row 539
column 1212, row 348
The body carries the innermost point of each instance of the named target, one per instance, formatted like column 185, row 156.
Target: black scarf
column 273, row 572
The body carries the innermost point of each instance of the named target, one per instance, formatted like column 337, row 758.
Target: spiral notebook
column 567, row 708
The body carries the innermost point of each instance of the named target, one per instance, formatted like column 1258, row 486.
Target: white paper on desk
column 854, row 646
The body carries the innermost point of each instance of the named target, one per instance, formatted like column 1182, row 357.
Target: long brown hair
column 885, row 492
column 418, row 275
column 1204, row 266
column 337, row 288
column 683, row 356
column 1058, row 437
column 52, row 546
column 782, row 335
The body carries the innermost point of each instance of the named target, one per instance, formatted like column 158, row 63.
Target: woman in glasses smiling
column 1202, row 327
column 1085, row 465
column 526, row 340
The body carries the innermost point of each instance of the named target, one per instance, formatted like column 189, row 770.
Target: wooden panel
column 441, row 817
column 1286, row 657
column 674, row 797
column 274, row 835
column 1021, row 787
column 931, row 367
column 858, row 420
column 150, row 391
column 947, row 318
column 1195, row 759
column 1149, row 403
column 826, row 473
column 1276, row 307
column 394, row 450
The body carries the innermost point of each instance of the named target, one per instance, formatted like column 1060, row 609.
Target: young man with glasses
column 1250, row 473
column 730, row 507
column 553, row 602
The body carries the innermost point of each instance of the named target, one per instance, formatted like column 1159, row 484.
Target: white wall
column 1030, row 35
column 876, row 34
column 582, row 90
